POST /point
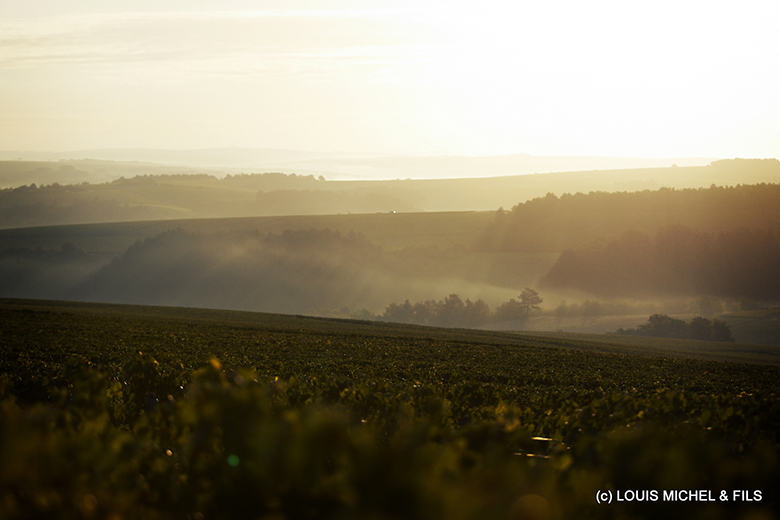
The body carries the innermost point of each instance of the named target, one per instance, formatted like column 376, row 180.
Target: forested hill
column 162, row 197
column 151, row 192
column 554, row 223
column 735, row 264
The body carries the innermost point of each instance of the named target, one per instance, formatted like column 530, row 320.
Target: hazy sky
column 647, row 79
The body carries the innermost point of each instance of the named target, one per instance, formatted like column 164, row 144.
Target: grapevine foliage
column 116, row 415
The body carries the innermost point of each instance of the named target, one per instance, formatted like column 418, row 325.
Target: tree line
column 554, row 223
column 663, row 326
column 452, row 311
column 173, row 196
column 740, row 263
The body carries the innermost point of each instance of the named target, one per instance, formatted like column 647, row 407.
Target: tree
column 663, row 326
column 530, row 301
column 451, row 311
column 476, row 313
column 700, row 328
column 721, row 331
column 399, row 313
column 509, row 311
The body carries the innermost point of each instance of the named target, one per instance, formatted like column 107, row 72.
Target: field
column 760, row 326
column 130, row 412
column 647, row 346
column 387, row 230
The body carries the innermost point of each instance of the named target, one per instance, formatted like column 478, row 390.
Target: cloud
column 604, row 78
column 243, row 43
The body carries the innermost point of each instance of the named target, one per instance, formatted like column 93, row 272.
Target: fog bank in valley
column 600, row 260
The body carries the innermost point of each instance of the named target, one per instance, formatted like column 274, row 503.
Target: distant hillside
column 174, row 196
column 554, row 223
column 15, row 173
column 295, row 271
column 354, row 166
column 677, row 260
column 719, row 242
column 155, row 192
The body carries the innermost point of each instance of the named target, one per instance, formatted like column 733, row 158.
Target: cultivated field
column 125, row 411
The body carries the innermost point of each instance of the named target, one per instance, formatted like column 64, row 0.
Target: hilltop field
column 128, row 411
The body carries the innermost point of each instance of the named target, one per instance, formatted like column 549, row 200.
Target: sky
column 601, row 78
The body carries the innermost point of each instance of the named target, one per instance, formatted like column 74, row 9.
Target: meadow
column 130, row 411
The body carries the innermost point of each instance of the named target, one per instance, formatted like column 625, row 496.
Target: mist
column 600, row 261
column 296, row 272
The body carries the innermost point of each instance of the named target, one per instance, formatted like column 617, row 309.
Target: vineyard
column 140, row 412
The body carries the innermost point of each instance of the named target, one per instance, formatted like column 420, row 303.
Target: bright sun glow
column 656, row 79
